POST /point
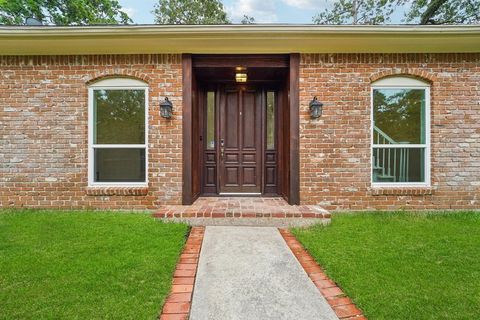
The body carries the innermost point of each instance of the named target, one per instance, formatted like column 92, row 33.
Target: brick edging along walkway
column 344, row 308
column 178, row 304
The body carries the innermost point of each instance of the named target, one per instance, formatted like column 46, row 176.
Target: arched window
column 400, row 132
column 117, row 132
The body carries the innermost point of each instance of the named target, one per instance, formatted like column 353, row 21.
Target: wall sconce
column 315, row 108
column 166, row 108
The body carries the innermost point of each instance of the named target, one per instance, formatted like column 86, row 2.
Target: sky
column 264, row 11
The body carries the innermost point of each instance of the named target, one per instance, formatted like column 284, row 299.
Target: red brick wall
column 43, row 116
column 335, row 149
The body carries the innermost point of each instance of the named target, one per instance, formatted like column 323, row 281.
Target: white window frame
column 115, row 84
column 402, row 82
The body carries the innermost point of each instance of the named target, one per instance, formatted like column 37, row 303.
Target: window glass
column 399, row 116
column 398, row 164
column 119, row 165
column 119, row 116
column 210, row 120
column 270, row 120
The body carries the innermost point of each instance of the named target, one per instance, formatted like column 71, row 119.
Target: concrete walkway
column 250, row 273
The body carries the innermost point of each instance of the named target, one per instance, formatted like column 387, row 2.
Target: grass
column 85, row 265
column 403, row 265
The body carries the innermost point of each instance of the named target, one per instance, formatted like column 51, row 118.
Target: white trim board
column 115, row 84
column 402, row 82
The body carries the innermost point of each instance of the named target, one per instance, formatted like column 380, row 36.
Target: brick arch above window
column 127, row 75
column 119, row 82
column 401, row 81
column 418, row 74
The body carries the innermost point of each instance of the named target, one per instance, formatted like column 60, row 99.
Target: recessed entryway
column 240, row 129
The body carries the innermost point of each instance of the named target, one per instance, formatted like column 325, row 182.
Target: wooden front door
column 240, row 140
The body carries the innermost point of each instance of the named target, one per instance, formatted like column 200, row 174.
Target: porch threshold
column 237, row 194
column 244, row 211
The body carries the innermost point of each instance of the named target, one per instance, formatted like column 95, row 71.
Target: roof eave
column 137, row 39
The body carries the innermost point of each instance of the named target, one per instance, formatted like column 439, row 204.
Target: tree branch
column 432, row 9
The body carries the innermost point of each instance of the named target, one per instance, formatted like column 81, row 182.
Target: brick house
column 85, row 124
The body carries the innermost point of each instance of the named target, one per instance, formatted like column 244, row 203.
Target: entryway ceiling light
column 240, row 69
column 241, row 74
column 241, row 77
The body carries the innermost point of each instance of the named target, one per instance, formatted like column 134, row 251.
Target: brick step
column 234, row 214
column 273, row 211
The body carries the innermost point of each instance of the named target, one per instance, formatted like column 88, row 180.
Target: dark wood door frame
column 293, row 106
column 190, row 138
column 246, row 60
column 187, row 130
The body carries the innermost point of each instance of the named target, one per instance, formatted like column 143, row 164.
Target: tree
column 444, row 11
column 357, row 12
column 190, row 12
column 120, row 116
column 398, row 113
column 63, row 12
column 248, row 19
column 419, row 11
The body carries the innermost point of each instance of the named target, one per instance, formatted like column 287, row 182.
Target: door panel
column 230, row 116
column 248, row 117
column 240, row 141
column 249, row 176
column 232, row 176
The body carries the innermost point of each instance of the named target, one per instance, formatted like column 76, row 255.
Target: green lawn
column 85, row 265
column 403, row 265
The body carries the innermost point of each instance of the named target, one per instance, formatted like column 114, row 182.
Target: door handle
column 222, row 149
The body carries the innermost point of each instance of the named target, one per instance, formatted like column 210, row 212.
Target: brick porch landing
column 241, row 207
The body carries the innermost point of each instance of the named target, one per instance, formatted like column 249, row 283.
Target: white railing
column 385, row 159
